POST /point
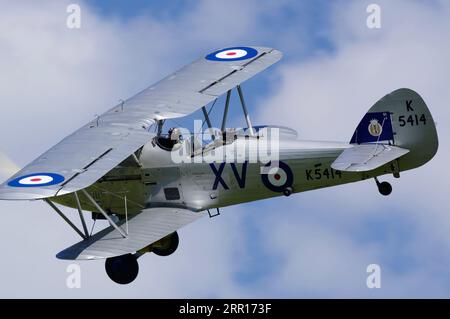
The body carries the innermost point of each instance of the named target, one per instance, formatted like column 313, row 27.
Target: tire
column 170, row 248
column 122, row 269
column 385, row 188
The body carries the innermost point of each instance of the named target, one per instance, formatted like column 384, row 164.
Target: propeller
column 7, row 167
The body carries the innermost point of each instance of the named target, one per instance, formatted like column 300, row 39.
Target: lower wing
column 143, row 229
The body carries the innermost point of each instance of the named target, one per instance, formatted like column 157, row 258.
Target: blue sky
column 314, row 244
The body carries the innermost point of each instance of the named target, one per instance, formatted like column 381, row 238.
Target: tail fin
column 401, row 119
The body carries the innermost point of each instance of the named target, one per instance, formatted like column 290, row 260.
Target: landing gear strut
column 122, row 269
column 384, row 187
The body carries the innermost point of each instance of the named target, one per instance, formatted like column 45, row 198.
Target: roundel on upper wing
column 278, row 178
column 36, row 180
column 232, row 54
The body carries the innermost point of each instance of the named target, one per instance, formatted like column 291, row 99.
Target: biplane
column 121, row 167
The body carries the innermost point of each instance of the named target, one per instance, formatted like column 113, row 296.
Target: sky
column 314, row 244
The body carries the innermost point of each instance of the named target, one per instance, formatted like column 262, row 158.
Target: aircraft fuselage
column 159, row 182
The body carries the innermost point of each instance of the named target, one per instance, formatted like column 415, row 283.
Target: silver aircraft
column 147, row 184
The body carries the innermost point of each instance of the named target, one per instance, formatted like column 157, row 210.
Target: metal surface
column 80, row 212
column 126, row 216
column 205, row 114
column 138, row 163
column 225, row 111
column 244, row 108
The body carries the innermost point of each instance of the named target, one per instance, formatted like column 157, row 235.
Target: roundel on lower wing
column 278, row 178
column 232, row 54
column 36, row 180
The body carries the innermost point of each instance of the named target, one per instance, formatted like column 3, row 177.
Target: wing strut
column 67, row 220
column 205, row 113
column 225, row 111
column 80, row 212
column 244, row 108
column 111, row 222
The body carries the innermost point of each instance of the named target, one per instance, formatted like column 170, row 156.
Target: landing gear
column 122, row 269
column 384, row 188
column 167, row 245
column 287, row 191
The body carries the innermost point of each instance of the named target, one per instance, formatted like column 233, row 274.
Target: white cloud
column 54, row 80
column 324, row 98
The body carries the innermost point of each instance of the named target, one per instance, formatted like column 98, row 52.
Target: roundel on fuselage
column 278, row 178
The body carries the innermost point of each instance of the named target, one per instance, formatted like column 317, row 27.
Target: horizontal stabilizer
column 144, row 229
column 366, row 157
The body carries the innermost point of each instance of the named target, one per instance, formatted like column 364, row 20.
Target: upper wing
column 144, row 229
column 366, row 157
column 202, row 81
column 82, row 158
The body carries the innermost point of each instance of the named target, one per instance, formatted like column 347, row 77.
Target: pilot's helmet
column 175, row 134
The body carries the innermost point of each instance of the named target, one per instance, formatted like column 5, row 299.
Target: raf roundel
column 232, row 54
column 37, row 180
column 278, row 178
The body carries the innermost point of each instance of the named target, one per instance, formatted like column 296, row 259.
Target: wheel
column 287, row 191
column 167, row 245
column 122, row 269
column 385, row 188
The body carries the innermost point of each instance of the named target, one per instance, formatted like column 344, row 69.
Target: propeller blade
column 7, row 166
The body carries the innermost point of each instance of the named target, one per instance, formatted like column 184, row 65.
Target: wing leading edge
column 82, row 158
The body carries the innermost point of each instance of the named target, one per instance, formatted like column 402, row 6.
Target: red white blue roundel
column 37, row 180
column 232, row 54
column 278, row 178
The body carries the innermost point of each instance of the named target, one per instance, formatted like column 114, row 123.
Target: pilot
column 175, row 137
